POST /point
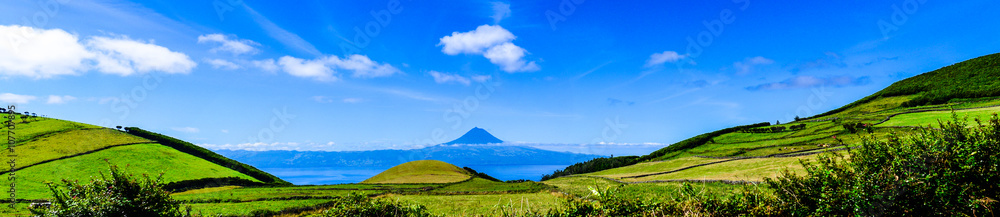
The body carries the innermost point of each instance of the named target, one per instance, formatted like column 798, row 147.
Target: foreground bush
column 360, row 205
column 121, row 194
column 949, row 171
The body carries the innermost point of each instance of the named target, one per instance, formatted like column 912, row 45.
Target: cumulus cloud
column 39, row 53
column 664, row 57
column 745, row 66
column 235, row 46
column 811, row 81
column 16, row 99
column 46, row 53
column 444, row 78
column 186, row 129
column 327, row 68
column 53, row 99
column 494, row 43
column 500, row 11
column 222, row 64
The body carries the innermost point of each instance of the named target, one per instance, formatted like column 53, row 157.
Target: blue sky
column 361, row 75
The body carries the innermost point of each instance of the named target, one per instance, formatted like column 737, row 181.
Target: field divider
column 76, row 155
column 678, row 170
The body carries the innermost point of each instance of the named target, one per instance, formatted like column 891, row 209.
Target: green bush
column 360, row 205
column 121, row 194
column 950, row 171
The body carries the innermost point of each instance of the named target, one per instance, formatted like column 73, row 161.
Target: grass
column 236, row 193
column 931, row 118
column 653, row 167
column 36, row 128
column 422, row 171
column 488, row 205
column 746, row 169
column 248, row 208
column 69, row 143
column 483, row 186
column 151, row 159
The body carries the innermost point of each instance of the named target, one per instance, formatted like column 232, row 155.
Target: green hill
column 752, row 152
column 50, row 150
column 421, row 171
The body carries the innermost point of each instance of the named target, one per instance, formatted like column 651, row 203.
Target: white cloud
column 352, row 100
column 500, row 11
column 326, row 68
column 124, row 56
column 186, row 129
column 315, row 69
column 266, row 65
column 444, row 78
column 222, row 64
column 53, row 99
column 805, row 81
column 494, row 43
column 224, row 131
column 235, row 46
column 39, row 53
column 666, row 56
column 744, row 67
column 322, row 99
column 16, row 99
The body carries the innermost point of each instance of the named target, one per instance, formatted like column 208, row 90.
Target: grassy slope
column 422, row 171
column 967, row 84
column 488, row 205
column 151, row 159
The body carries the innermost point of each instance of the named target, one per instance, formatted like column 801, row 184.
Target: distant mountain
column 462, row 155
column 476, row 136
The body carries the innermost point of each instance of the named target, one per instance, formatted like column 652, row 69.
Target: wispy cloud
column 222, row 64
column 746, row 66
column 664, row 57
column 326, row 68
column 186, row 129
column 233, row 45
column 16, row 99
column 444, row 78
column 500, row 11
column 53, row 99
column 811, row 81
column 287, row 38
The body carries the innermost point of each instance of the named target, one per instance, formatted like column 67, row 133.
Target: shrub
column 121, row 194
column 360, row 205
column 948, row 172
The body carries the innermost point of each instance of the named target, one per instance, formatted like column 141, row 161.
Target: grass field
column 923, row 119
column 422, row 171
column 175, row 165
column 236, row 193
column 483, row 186
column 69, row 143
column 27, row 131
column 488, row 205
column 746, row 169
column 248, row 208
column 653, row 167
